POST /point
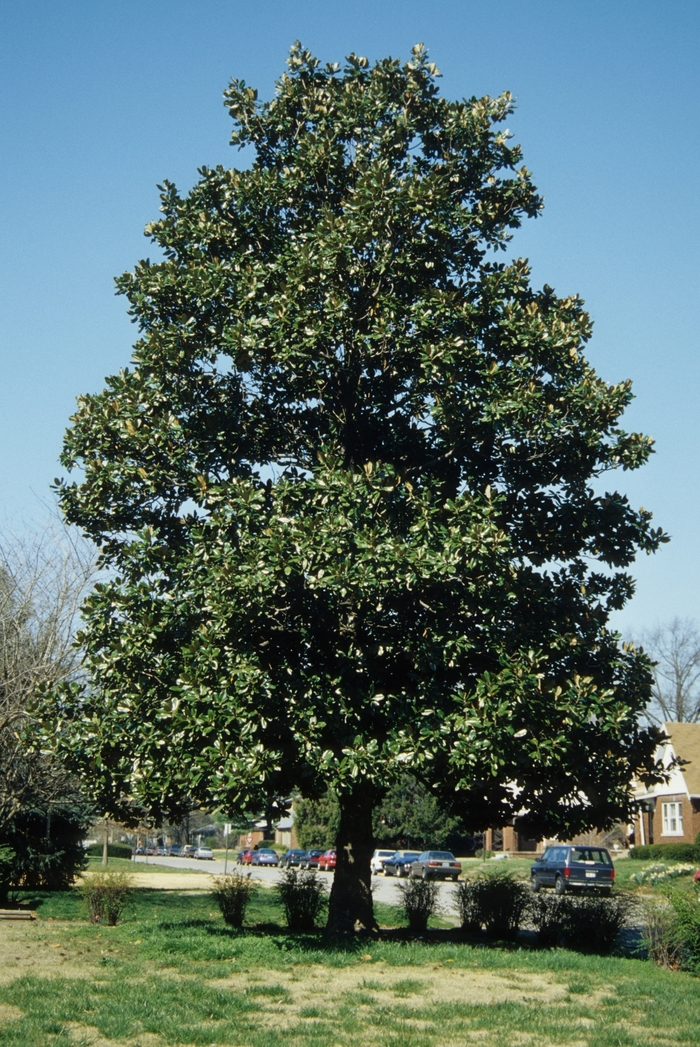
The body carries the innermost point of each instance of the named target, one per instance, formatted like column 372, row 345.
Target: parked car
column 175, row 851
column 188, row 851
column 435, row 865
column 567, row 867
column 245, row 857
column 291, row 857
column 265, row 856
column 310, row 859
column 205, row 853
column 327, row 861
column 400, row 863
column 377, row 860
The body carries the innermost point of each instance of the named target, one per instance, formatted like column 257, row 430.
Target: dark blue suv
column 567, row 867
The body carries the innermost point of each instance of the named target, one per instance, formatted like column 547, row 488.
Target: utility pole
column 227, row 834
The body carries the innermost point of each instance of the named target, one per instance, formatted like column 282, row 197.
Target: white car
column 204, row 852
column 378, row 858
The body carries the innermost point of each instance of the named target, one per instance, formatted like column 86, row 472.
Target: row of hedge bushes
column 676, row 852
column 114, row 850
column 502, row 905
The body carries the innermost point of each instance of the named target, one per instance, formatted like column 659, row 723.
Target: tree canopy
column 349, row 490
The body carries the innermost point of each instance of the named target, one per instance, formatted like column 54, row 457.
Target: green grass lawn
column 173, row 974
column 127, row 866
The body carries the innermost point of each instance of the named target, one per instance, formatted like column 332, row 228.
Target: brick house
column 671, row 811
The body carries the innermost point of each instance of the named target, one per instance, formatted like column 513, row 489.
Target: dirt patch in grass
column 311, row 987
column 39, row 949
column 187, row 881
column 8, row 1013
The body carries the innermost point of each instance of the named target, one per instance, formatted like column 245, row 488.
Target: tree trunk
column 105, row 844
column 350, row 906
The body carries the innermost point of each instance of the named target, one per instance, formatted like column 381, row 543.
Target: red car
column 326, row 862
column 245, row 858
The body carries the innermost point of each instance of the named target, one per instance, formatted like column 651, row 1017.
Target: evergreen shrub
column 497, row 902
column 114, row 850
column 677, row 852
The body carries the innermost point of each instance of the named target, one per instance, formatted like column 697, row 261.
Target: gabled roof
column 685, row 739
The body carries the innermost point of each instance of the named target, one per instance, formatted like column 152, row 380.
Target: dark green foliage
column 232, row 894
column 419, row 901
column 7, row 860
column 676, row 852
column 593, row 924
column 407, row 815
column 316, row 821
column 546, row 913
column 586, row 923
column 303, row 897
column 114, row 850
column 47, row 843
column 349, row 488
column 496, row 902
column 106, row 895
column 412, row 815
column 684, row 928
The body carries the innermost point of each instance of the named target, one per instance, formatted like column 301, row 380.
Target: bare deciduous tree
column 43, row 581
column 675, row 648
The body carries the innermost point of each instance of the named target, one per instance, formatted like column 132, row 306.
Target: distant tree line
column 409, row 816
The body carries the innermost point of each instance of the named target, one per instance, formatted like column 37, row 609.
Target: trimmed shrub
column 114, row 850
column 497, row 902
column 547, row 914
column 232, row 894
column 675, row 852
column 419, row 901
column 106, row 895
column 593, row 924
column 587, row 923
column 303, row 897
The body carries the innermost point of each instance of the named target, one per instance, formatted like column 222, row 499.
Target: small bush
column 659, row 939
column 232, row 894
column 547, row 914
column 593, row 924
column 684, row 929
column 674, row 852
column 114, row 850
column 106, row 895
column 497, row 902
column 303, row 897
column 419, row 901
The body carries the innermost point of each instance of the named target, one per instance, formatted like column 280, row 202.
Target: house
column 670, row 812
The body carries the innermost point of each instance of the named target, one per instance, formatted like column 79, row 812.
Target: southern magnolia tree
column 347, row 489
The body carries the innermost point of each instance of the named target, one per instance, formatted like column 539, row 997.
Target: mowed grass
column 172, row 974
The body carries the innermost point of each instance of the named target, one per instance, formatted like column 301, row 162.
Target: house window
column 672, row 819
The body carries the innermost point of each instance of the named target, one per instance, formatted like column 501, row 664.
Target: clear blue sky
column 101, row 101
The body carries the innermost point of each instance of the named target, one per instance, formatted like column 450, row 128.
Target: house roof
column 685, row 739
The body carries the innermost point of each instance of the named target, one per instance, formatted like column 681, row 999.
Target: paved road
column 384, row 888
